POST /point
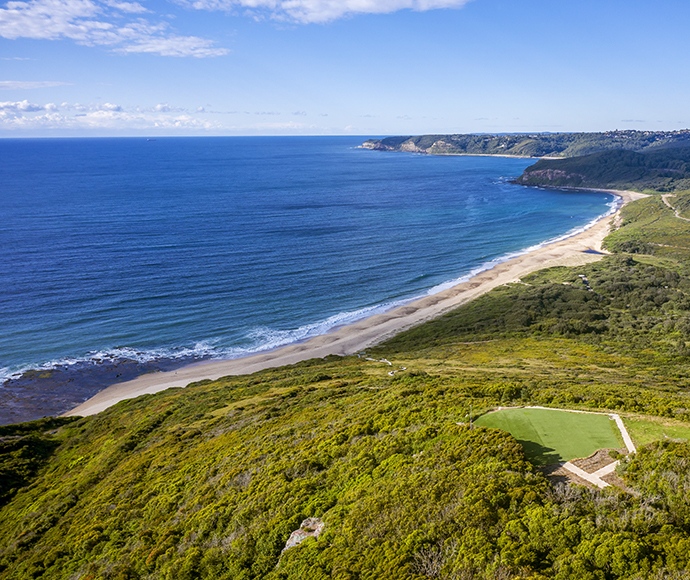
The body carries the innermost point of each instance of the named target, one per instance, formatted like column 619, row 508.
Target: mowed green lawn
column 554, row 436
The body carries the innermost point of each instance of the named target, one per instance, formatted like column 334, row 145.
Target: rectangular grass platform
column 550, row 436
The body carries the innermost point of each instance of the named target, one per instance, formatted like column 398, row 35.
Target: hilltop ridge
column 211, row 481
column 664, row 170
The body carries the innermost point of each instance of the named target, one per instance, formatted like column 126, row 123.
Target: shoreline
column 358, row 336
column 506, row 155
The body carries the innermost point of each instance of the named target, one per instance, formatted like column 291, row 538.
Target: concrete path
column 593, row 478
column 629, row 445
column 584, row 475
column 606, row 470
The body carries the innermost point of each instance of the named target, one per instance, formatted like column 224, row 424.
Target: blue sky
column 332, row 67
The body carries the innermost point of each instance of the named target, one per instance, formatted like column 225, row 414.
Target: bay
column 122, row 256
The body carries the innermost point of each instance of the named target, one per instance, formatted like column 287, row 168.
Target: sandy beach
column 363, row 334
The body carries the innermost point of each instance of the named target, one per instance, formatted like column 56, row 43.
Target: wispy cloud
column 173, row 45
column 24, row 115
column 120, row 25
column 95, row 23
column 311, row 11
column 90, row 108
column 24, row 85
column 128, row 7
column 162, row 108
column 277, row 127
column 27, row 116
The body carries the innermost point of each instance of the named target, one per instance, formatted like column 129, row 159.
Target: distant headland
column 533, row 144
column 628, row 160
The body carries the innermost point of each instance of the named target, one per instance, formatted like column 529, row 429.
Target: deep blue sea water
column 170, row 250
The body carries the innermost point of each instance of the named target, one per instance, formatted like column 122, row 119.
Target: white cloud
column 162, row 108
column 99, row 24
column 51, row 19
column 24, row 85
column 128, row 7
column 21, row 116
column 310, row 11
column 278, row 127
column 20, row 107
column 117, row 24
column 26, row 117
column 174, row 46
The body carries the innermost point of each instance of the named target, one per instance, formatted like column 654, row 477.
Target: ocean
column 126, row 255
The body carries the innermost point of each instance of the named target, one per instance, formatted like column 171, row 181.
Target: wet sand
column 354, row 338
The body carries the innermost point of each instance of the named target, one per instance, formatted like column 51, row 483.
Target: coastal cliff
column 658, row 170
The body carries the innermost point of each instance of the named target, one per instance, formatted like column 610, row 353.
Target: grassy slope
column 651, row 228
column 209, row 481
column 646, row 430
column 553, row 436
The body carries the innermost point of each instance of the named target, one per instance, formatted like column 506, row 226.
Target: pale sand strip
column 365, row 333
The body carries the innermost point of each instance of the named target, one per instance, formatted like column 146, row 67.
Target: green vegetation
column 533, row 145
column 553, row 436
column 650, row 227
column 660, row 470
column 658, row 170
column 23, row 450
column 638, row 160
column 208, row 482
column 647, row 430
